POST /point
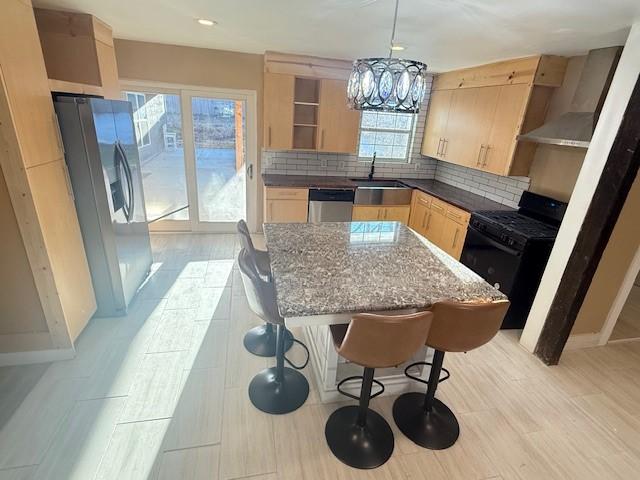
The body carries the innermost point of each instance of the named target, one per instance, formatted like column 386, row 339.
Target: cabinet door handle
column 269, row 135
column 438, row 152
column 424, row 219
column 445, row 142
column 478, row 160
column 428, row 221
column 486, row 153
column 455, row 238
column 322, row 138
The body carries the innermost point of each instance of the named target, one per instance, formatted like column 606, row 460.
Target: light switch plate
column 323, row 162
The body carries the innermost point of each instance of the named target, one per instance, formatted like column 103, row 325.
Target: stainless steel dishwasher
column 330, row 205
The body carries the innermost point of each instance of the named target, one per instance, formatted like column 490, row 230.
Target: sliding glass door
column 157, row 118
column 197, row 149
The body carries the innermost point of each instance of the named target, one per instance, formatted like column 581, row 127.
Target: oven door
column 496, row 263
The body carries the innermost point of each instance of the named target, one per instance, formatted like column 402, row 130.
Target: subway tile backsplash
column 504, row 190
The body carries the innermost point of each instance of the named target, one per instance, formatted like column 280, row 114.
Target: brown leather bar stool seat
column 357, row 435
column 278, row 389
column 260, row 340
column 457, row 327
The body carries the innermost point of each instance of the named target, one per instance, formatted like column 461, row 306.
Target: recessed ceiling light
column 397, row 48
column 205, row 22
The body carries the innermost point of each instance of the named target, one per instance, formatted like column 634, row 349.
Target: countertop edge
column 410, row 183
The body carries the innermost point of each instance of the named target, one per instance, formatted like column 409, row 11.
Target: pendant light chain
column 393, row 30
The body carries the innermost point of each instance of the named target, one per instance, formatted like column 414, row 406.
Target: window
column 140, row 118
column 387, row 134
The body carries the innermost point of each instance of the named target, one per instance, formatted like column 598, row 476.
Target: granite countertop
column 347, row 267
column 455, row 196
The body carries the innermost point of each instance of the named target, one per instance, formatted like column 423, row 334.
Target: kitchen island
column 326, row 272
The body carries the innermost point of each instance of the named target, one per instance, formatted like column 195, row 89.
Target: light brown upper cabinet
column 436, row 125
column 278, row 110
column 476, row 114
column 78, row 53
column 338, row 125
column 305, row 105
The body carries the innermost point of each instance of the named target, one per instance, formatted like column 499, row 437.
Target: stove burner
column 520, row 224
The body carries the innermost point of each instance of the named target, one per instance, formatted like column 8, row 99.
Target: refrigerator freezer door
column 130, row 222
column 89, row 134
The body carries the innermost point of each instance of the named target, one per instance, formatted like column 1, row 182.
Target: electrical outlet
column 343, row 165
column 417, row 166
column 269, row 162
column 323, row 162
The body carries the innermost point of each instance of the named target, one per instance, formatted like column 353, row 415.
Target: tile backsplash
column 505, row 190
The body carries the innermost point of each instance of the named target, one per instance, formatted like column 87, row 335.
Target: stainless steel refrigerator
column 102, row 156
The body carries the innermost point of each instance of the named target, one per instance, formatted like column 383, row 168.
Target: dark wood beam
column 611, row 192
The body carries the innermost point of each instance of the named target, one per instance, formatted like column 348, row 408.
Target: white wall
column 614, row 107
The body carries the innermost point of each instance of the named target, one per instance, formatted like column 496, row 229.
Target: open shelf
column 304, row 137
column 306, row 101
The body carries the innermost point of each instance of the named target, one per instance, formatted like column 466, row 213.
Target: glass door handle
column 250, row 170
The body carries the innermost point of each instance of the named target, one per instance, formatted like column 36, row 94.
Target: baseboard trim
column 36, row 356
column 582, row 340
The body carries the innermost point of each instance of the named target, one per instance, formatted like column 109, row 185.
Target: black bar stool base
column 274, row 397
column 435, row 430
column 261, row 341
column 359, row 447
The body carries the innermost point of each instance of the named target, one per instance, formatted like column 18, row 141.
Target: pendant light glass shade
column 389, row 84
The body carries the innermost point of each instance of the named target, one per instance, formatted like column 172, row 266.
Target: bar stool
column 457, row 327
column 276, row 389
column 357, row 435
column 260, row 340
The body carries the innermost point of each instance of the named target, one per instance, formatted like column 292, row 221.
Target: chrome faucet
column 373, row 167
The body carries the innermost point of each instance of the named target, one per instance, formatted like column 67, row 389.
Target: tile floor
column 161, row 394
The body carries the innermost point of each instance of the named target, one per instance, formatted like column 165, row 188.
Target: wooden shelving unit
column 306, row 101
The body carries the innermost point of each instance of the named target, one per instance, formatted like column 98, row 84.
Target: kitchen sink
column 381, row 192
column 377, row 183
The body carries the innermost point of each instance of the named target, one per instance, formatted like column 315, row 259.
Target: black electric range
column 510, row 249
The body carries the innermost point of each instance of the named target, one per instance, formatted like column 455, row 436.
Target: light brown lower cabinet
column 439, row 222
column 395, row 213
column 286, row 205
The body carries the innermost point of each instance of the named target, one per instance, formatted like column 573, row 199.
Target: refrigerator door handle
column 128, row 211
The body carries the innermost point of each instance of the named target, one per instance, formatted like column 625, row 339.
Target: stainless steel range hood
column 575, row 128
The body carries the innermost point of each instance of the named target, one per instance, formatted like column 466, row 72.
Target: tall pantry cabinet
column 37, row 184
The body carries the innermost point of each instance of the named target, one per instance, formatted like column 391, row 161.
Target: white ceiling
column 445, row 34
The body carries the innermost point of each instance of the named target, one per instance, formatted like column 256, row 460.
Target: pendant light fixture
column 387, row 84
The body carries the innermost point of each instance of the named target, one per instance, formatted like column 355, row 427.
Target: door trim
column 186, row 92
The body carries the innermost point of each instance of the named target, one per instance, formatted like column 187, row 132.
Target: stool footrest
column 418, row 379
column 306, row 362
column 359, row 377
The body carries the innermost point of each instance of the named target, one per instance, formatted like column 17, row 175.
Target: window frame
column 411, row 131
column 137, row 120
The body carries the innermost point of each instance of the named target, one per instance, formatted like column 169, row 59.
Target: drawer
column 458, row 215
column 439, row 206
column 423, row 199
column 276, row 193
